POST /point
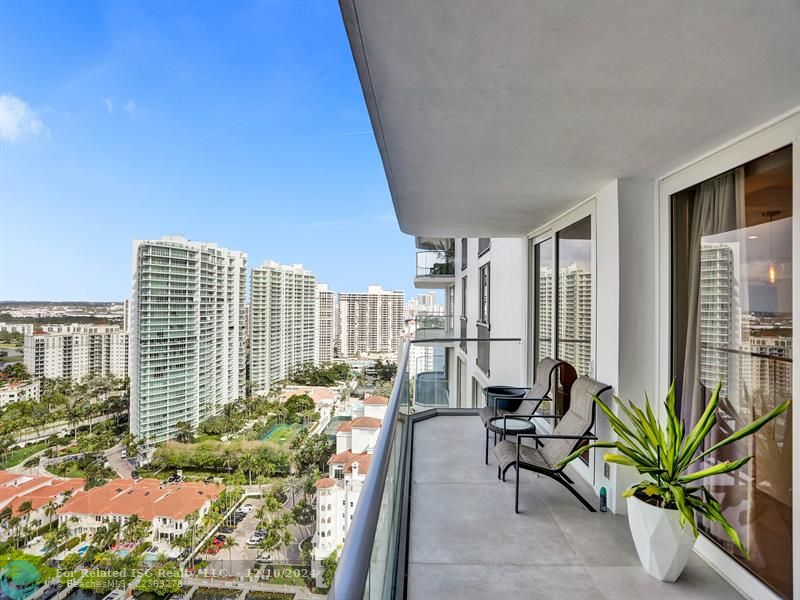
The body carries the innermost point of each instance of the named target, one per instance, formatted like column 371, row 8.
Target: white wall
column 507, row 313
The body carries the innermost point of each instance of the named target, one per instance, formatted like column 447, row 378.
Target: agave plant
column 668, row 455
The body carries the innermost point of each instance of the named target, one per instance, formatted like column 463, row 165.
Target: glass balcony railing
column 431, row 326
column 435, row 263
column 372, row 565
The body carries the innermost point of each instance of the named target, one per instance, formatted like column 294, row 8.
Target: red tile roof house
column 17, row 489
column 166, row 506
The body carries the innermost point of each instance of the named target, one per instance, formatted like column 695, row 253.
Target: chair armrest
column 554, row 436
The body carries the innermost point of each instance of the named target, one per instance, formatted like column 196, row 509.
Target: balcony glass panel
column 435, row 263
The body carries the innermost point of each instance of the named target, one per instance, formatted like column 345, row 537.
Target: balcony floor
column 553, row 549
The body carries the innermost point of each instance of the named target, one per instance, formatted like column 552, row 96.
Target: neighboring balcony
column 435, row 269
column 434, row 521
column 430, row 390
column 433, row 326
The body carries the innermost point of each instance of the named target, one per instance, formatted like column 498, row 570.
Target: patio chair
column 530, row 401
column 574, row 427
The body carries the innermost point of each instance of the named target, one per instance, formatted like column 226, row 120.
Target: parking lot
column 242, row 557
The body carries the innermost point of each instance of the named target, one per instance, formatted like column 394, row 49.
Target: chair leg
column 516, row 492
column 574, row 493
column 486, row 453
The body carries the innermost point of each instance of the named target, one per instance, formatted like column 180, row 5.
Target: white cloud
column 18, row 122
column 109, row 105
column 130, row 107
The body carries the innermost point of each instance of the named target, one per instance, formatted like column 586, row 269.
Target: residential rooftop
column 146, row 498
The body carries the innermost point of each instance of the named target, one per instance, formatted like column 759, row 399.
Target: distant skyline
column 241, row 124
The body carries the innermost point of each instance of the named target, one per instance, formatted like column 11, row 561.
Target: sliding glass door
column 562, row 293
column 574, row 296
column 732, row 325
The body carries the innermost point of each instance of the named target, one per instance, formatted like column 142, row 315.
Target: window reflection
column 732, row 324
column 574, row 343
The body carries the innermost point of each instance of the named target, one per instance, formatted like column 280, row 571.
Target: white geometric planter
column 663, row 545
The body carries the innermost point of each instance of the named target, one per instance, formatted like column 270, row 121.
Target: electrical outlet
column 607, row 470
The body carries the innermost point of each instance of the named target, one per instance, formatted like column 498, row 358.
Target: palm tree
column 136, row 529
column 272, row 504
column 191, row 521
column 5, row 515
column 183, row 542
column 230, row 544
column 183, row 432
column 25, row 511
column 130, row 525
column 248, row 462
column 228, row 458
column 13, row 523
column 50, row 511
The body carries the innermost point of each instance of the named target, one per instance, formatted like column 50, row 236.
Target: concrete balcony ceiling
column 494, row 116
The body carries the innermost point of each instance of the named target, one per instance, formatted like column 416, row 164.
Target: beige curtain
column 715, row 206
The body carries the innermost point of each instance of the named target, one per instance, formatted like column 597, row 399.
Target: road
column 121, row 465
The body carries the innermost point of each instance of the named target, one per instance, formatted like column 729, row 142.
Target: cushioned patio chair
column 530, row 401
column 573, row 428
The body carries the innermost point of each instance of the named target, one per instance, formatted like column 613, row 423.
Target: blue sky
column 232, row 122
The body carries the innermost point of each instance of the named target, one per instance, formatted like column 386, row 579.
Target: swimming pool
column 83, row 549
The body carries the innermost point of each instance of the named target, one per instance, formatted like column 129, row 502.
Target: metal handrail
column 706, row 346
column 351, row 574
column 464, row 339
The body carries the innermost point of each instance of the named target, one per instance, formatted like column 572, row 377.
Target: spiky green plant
column 666, row 454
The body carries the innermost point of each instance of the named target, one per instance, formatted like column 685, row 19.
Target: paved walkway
column 466, row 542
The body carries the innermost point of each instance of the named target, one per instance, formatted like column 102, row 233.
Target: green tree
column 311, row 451
column 183, row 432
column 297, row 404
column 248, row 463
column 329, row 564
column 16, row 371
column 162, row 580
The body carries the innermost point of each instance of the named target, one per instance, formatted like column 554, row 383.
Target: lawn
column 282, row 435
column 71, row 470
column 19, row 455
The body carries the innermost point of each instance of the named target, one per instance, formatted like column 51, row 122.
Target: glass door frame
column 587, row 208
column 784, row 131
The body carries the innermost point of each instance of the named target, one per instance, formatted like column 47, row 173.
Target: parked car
column 226, row 529
column 123, row 453
column 247, row 508
column 264, row 558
